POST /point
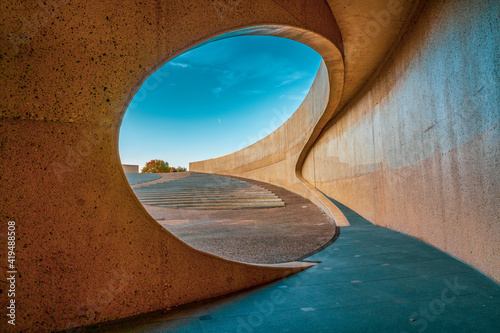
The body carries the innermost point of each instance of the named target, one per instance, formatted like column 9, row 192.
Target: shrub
column 156, row 166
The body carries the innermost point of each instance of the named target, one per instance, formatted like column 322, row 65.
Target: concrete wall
column 418, row 150
column 414, row 147
column 86, row 249
column 130, row 168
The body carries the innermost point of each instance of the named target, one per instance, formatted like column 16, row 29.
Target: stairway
column 204, row 191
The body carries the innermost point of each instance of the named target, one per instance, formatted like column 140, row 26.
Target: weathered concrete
column 417, row 147
column 418, row 150
column 87, row 250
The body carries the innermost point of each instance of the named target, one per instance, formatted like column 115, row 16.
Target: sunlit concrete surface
column 130, row 168
column 371, row 279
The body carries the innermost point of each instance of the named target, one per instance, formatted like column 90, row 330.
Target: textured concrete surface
column 371, row 279
column 87, row 250
column 418, row 151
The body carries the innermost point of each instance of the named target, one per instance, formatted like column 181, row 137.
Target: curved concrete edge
column 296, row 266
column 320, row 200
column 257, row 273
column 296, row 136
column 244, row 275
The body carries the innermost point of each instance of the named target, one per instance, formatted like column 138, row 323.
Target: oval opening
column 212, row 100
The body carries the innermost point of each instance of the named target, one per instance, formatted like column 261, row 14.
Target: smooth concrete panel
column 130, row 168
column 417, row 151
column 87, row 250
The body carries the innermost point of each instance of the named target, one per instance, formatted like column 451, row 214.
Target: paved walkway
column 371, row 279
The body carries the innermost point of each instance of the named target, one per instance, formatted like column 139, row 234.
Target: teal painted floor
column 371, row 279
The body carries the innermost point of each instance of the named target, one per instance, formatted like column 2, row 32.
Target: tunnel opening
column 218, row 97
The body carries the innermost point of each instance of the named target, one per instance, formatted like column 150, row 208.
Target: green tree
column 181, row 169
column 156, row 166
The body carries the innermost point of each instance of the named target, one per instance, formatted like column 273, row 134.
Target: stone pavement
column 371, row 279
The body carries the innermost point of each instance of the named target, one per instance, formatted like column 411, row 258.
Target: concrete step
column 222, row 205
column 219, row 192
column 147, row 202
column 191, row 195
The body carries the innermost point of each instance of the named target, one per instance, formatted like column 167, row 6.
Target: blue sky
column 216, row 99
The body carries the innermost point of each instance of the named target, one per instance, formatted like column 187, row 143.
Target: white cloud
column 179, row 64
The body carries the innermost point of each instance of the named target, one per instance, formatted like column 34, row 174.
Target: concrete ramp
column 204, row 191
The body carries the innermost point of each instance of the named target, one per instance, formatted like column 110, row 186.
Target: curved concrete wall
column 86, row 249
column 279, row 157
column 414, row 148
column 418, row 150
column 274, row 158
